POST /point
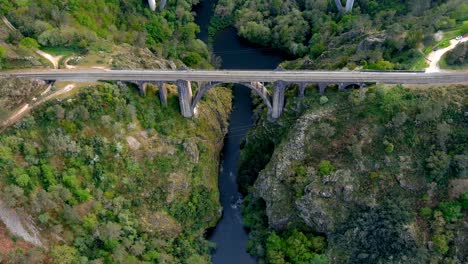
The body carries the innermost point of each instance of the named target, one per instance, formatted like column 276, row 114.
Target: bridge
column 253, row 79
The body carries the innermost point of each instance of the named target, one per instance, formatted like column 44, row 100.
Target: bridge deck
column 230, row 76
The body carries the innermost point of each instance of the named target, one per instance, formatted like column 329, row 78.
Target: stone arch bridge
column 253, row 79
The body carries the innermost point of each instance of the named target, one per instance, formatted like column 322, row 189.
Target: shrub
column 323, row 100
column 440, row 243
column 2, row 53
column 389, row 148
column 464, row 201
column 29, row 43
column 451, row 211
column 325, row 168
column 64, row 254
column 425, row 212
column 192, row 59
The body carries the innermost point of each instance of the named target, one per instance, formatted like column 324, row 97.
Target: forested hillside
column 387, row 34
column 111, row 176
column 380, row 173
column 81, row 27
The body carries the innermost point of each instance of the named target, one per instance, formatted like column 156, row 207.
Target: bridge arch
column 258, row 89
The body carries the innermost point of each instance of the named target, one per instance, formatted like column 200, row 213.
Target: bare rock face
column 271, row 183
column 162, row 224
column 327, row 200
column 20, row 226
column 140, row 58
column 191, row 149
column 370, row 43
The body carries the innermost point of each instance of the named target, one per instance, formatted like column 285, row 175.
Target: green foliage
column 192, row 59
column 70, row 167
column 295, row 247
column 426, row 213
column 325, row 168
column 451, row 211
column 323, row 100
column 158, row 30
column 440, row 244
column 438, row 164
column 29, row 43
column 2, row 53
column 379, row 234
column 458, row 56
column 382, row 35
column 64, row 255
column 464, row 201
column 389, row 148
column 5, row 155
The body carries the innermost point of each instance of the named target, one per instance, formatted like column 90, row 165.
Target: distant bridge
column 253, row 79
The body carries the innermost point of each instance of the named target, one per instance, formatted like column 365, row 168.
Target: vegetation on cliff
column 94, row 27
column 116, row 177
column 390, row 34
column 381, row 173
column 458, row 57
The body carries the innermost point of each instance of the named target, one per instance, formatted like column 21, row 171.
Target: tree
column 440, row 243
column 64, row 255
column 2, row 55
column 255, row 32
column 458, row 56
column 325, row 168
column 5, row 155
column 29, row 43
column 451, row 211
column 438, row 164
column 158, row 30
column 379, row 234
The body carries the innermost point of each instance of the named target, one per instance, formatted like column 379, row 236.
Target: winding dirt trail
column 435, row 56
column 53, row 59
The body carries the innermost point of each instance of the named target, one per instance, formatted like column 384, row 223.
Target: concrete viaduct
column 253, row 79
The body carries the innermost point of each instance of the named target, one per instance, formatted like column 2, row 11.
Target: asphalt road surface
column 237, row 76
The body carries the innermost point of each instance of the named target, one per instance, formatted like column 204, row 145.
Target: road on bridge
column 237, row 76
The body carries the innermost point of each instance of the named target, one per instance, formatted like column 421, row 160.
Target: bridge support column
column 342, row 87
column 184, row 89
column 162, row 93
column 279, row 88
column 322, row 87
column 302, row 87
column 142, row 87
column 349, row 5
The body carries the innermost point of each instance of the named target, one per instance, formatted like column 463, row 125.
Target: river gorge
column 229, row 234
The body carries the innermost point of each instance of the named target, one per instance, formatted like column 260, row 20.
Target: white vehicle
column 459, row 37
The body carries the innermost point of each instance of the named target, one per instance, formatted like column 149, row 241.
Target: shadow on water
column 229, row 234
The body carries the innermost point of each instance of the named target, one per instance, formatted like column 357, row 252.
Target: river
column 229, row 234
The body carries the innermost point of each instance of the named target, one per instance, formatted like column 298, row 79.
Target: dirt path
column 16, row 116
column 435, row 56
column 8, row 24
column 53, row 59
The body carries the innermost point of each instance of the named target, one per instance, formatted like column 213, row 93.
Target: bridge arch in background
column 258, row 89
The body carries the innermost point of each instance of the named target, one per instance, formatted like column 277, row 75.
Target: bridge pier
column 322, row 87
column 347, row 8
column 342, row 87
column 279, row 88
column 162, row 92
column 184, row 89
column 302, row 87
column 141, row 87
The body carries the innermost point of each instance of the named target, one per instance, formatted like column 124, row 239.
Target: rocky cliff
column 371, row 171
